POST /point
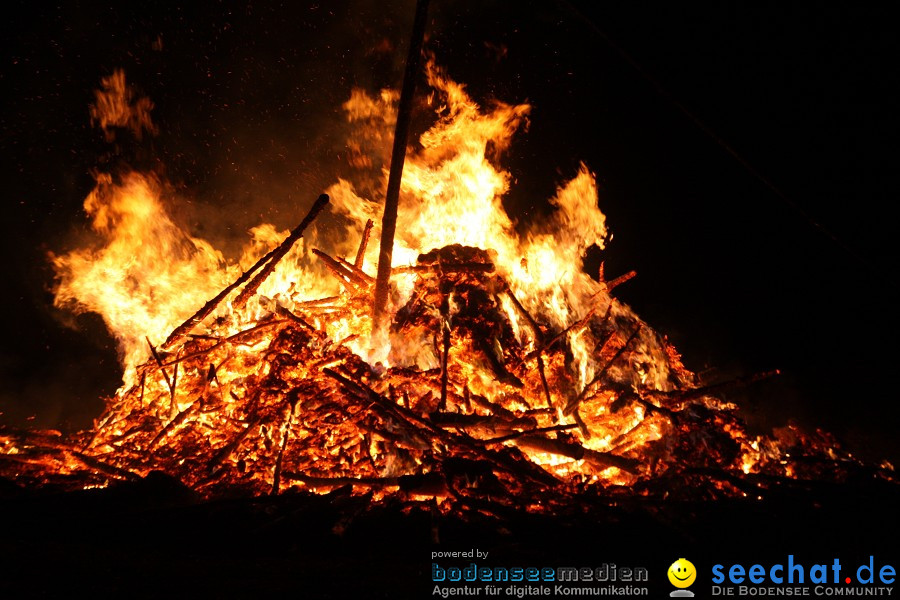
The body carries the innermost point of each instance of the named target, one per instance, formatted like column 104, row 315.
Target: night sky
column 775, row 258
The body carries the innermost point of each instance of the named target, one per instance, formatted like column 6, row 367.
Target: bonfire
column 506, row 376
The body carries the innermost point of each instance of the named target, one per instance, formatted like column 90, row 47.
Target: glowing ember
column 508, row 370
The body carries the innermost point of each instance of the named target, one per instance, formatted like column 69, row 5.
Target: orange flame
column 115, row 106
column 146, row 275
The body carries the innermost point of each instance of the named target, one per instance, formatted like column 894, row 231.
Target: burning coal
column 508, row 373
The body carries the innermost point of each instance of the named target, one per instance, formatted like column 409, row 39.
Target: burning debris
column 508, row 377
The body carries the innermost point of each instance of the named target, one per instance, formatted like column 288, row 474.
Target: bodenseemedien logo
column 682, row 574
column 479, row 579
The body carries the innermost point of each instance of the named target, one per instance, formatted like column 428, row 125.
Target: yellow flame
column 146, row 274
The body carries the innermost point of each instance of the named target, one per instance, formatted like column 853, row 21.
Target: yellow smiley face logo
column 682, row 573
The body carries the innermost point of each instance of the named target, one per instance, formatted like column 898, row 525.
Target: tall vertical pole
column 398, row 157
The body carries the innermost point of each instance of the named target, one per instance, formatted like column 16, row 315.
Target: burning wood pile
column 506, row 375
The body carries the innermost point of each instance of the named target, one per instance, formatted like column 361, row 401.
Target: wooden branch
column 313, row 481
column 448, row 267
column 538, row 334
column 41, row 438
column 49, row 443
column 600, row 460
column 107, row 417
column 430, row 484
column 139, row 428
column 544, row 385
column 347, row 277
column 518, row 434
column 445, row 356
column 710, row 390
column 573, row 404
column 452, row 419
column 276, row 477
column 160, row 364
column 231, row 446
column 576, row 416
column 101, row 466
column 267, row 262
column 230, row 339
column 501, row 373
column 446, row 290
column 414, row 425
column 617, row 442
column 178, row 420
column 611, row 285
column 173, row 408
column 280, row 252
column 460, row 440
column 576, row 325
column 491, row 407
column 538, row 339
column 387, row 436
column 290, row 316
column 325, row 302
column 361, row 253
column 346, row 340
column 183, row 329
column 356, row 270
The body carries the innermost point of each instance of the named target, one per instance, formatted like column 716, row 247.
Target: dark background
column 742, row 275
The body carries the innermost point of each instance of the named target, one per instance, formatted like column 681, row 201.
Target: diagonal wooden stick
column 361, row 253
column 280, row 252
column 161, row 367
column 269, row 260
